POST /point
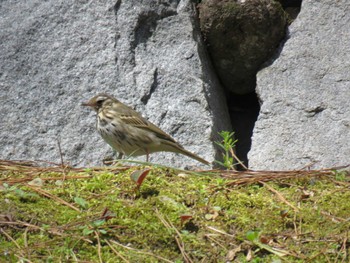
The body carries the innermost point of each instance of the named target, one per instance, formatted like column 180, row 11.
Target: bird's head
column 99, row 101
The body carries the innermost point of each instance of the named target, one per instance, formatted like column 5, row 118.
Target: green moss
column 146, row 225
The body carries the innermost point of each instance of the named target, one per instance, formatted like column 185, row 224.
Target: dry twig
column 141, row 252
column 280, row 196
column 178, row 239
column 57, row 199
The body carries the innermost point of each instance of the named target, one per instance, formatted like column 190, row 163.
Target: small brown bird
column 126, row 131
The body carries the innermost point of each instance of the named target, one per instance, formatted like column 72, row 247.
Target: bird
column 128, row 133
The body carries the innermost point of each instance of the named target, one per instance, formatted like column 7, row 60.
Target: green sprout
column 228, row 145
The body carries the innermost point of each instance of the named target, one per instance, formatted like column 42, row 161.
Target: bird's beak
column 89, row 104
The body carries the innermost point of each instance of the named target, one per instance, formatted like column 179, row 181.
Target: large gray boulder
column 56, row 54
column 305, row 93
column 240, row 36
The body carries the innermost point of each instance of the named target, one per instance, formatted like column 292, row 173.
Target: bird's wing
column 133, row 120
column 141, row 123
column 131, row 117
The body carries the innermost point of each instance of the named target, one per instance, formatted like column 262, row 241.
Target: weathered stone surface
column 241, row 35
column 305, row 93
column 56, row 54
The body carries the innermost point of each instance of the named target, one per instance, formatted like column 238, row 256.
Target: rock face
column 305, row 112
column 56, row 54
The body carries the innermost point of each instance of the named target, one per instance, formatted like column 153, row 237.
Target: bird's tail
column 193, row 156
column 179, row 149
column 172, row 146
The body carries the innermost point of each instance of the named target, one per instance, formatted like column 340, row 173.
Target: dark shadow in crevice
column 244, row 111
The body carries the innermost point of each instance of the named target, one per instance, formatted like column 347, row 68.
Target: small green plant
column 81, row 202
column 254, row 236
column 341, row 175
column 228, row 145
column 23, row 196
column 95, row 226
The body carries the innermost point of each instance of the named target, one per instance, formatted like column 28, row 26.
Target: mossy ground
column 98, row 215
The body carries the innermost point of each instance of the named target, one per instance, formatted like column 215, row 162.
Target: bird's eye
column 99, row 102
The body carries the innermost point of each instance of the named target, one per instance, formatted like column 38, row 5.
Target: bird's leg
column 147, row 155
column 120, row 155
column 109, row 159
